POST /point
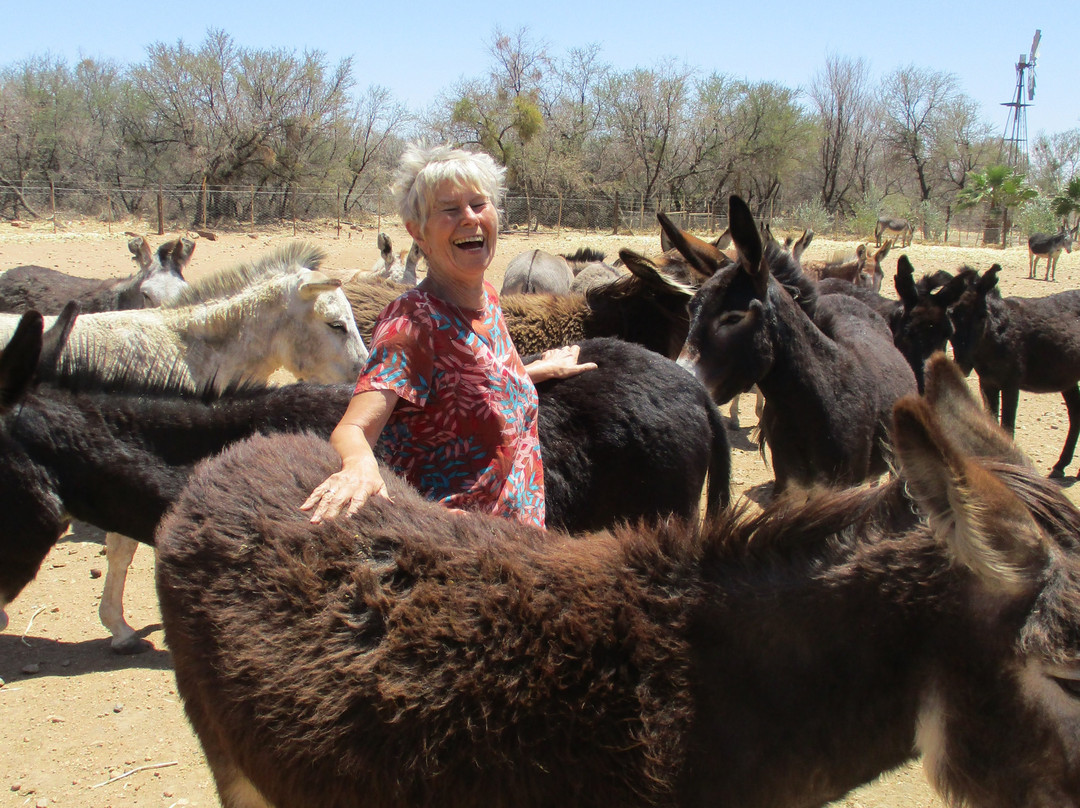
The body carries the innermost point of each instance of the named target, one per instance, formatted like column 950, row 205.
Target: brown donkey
column 412, row 657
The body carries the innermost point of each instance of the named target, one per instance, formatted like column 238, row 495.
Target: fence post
column 160, row 211
column 203, row 195
column 338, row 211
column 52, row 203
column 253, row 210
column 108, row 210
column 558, row 228
column 378, row 213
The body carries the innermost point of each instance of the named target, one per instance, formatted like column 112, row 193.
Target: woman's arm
column 353, row 437
column 558, row 363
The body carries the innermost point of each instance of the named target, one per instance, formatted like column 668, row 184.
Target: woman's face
column 460, row 233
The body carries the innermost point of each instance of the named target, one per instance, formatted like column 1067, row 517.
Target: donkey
column 242, row 323
column 411, row 657
column 863, row 270
column 919, row 320
column 159, row 281
column 536, row 271
column 394, row 268
column 636, row 438
column 896, row 228
column 826, row 365
column 1019, row 343
column 1044, row 245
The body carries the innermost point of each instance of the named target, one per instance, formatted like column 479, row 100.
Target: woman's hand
column 351, row 488
column 359, row 479
column 558, row 363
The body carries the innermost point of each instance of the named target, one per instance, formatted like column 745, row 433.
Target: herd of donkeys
column 912, row 587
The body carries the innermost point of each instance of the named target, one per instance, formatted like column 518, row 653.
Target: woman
column 444, row 397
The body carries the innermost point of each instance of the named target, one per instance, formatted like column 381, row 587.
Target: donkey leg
column 991, row 396
column 1010, row 398
column 1072, row 404
column 119, row 551
column 733, row 412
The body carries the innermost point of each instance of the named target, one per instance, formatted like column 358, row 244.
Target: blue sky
column 417, row 49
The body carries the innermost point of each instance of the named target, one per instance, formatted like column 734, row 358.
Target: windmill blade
column 1031, row 84
column 1035, row 46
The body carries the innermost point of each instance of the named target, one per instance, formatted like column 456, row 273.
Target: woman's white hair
column 422, row 168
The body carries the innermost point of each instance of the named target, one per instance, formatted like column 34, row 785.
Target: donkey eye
column 338, row 326
column 732, row 318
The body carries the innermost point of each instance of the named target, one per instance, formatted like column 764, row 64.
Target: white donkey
column 239, row 325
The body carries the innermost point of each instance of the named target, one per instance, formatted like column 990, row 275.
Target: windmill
column 1014, row 140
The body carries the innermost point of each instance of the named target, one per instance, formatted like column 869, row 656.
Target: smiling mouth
column 470, row 244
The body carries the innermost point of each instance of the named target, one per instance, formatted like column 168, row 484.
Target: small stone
column 32, row 667
column 55, row 719
column 16, row 786
column 118, row 708
column 95, row 573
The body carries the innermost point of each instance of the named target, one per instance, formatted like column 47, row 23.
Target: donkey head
column 1000, row 722
column 924, row 326
column 970, row 313
column 729, row 344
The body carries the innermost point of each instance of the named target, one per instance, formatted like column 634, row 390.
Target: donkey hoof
column 1057, row 474
column 131, row 645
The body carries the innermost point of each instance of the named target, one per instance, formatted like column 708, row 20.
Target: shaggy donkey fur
column 413, row 657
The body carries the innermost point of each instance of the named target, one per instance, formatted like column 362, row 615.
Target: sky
column 419, row 49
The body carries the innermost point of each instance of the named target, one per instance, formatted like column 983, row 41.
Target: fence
column 194, row 207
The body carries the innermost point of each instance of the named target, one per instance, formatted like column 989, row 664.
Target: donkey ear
column 181, row 254
column 860, row 251
column 879, row 256
column 962, row 416
column 316, row 284
column 665, row 240
column 140, row 251
column 652, row 276
column 747, row 240
column 723, row 241
column 986, row 526
column 701, row 255
column 19, row 359
column 988, row 280
column 54, row 340
column 803, row 242
column 905, row 283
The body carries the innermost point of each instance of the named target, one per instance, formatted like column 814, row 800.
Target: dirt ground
column 82, row 727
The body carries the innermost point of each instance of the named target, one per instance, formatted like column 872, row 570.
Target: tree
column 914, row 101
column 844, row 105
column 1001, row 189
column 1067, row 203
column 645, row 117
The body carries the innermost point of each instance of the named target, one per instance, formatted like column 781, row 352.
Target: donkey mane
column 87, row 369
column 789, row 274
column 236, row 279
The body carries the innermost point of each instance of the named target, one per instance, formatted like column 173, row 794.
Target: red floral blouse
column 465, row 430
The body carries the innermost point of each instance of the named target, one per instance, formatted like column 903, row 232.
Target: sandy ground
column 82, row 727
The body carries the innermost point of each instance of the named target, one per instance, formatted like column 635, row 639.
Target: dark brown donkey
column 1020, row 343
column 826, row 365
column 410, row 657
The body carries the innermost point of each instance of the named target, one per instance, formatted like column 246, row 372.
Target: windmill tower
column 1014, row 140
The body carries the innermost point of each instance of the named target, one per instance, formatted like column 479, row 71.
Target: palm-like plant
column 1000, row 188
column 1068, row 202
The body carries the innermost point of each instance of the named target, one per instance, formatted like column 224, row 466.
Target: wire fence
column 230, row 208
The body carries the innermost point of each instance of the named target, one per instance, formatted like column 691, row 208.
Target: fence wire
column 195, row 207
